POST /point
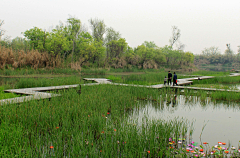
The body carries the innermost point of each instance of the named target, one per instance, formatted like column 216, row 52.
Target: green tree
column 211, row 51
column 159, row 57
column 145, row 54
column 150, row 44
column 116, row 48
column 37, row 38
column 96, row 52
column 74, row 26
column 83, row 41
column 58, row 43
column 98, row 29
column 111, row 35
column 189, row 58
column 19, row 43
column 229, row 54
column 131, row 57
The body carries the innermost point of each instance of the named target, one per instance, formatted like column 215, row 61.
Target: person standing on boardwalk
column 165, row 80
column 169, row 77
column 174, row 79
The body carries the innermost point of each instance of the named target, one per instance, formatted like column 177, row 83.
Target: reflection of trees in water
column 171, row 103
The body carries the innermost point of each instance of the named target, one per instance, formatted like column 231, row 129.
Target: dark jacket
column 169, row 76
column 175, row 77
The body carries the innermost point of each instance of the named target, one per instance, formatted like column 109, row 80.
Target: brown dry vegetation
column 33, row 59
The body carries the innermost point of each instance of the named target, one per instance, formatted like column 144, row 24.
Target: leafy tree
column 74, row 26
column 131, row 57
column 58, row 43
column 116, row 48
column 229, row 53
column 83, row 41
column 98, row 29
column 96, row 52
column 159, row 57
column 111, row 35
column 211, row 51
column 145, row 54
column 37, row 38
column 19, row 43
column 189, row 58
column 150, row 44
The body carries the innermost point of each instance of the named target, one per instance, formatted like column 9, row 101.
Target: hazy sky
column 202, row 23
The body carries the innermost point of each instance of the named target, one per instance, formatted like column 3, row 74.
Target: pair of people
column 169, row 79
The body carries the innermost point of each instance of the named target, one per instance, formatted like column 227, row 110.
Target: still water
column 221, row 120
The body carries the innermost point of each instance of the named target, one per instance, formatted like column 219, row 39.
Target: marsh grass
column 210, row 73
column 213, row 95
column 149, row 78
column 4, row 95
column 217, row 86
column 45, row 82
column 93, row 124
column 219, row 80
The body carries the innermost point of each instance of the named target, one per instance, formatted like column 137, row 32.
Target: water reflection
column 222, row 119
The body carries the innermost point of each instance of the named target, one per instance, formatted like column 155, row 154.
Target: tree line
column 213, row 56
column 101, row 46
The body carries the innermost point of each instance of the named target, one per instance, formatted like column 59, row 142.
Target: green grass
column 210, row 73
column 93, row 124
column 45, row 82
column 149, row 78
column 214, row 95
column 219, row 80
column 6, row 95
column 96, row 122
column 218, row 86
column 66, row 71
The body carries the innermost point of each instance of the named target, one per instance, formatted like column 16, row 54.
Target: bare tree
column 229, row 53
column 175, row 38
column 1, row 30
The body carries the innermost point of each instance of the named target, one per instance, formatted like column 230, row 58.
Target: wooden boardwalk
column 36, row 93
column 40, row 92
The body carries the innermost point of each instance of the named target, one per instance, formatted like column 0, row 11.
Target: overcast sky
column 202, row 23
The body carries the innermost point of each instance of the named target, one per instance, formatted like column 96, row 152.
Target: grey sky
column 202, row 23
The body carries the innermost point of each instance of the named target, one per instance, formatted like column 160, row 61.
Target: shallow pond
column 221, row 120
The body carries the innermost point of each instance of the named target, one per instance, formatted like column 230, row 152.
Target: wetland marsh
column 110, row 120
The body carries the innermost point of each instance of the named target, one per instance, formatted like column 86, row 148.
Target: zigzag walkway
column 39, row 92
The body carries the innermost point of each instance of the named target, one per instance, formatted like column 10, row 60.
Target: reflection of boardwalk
column 39, row 92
